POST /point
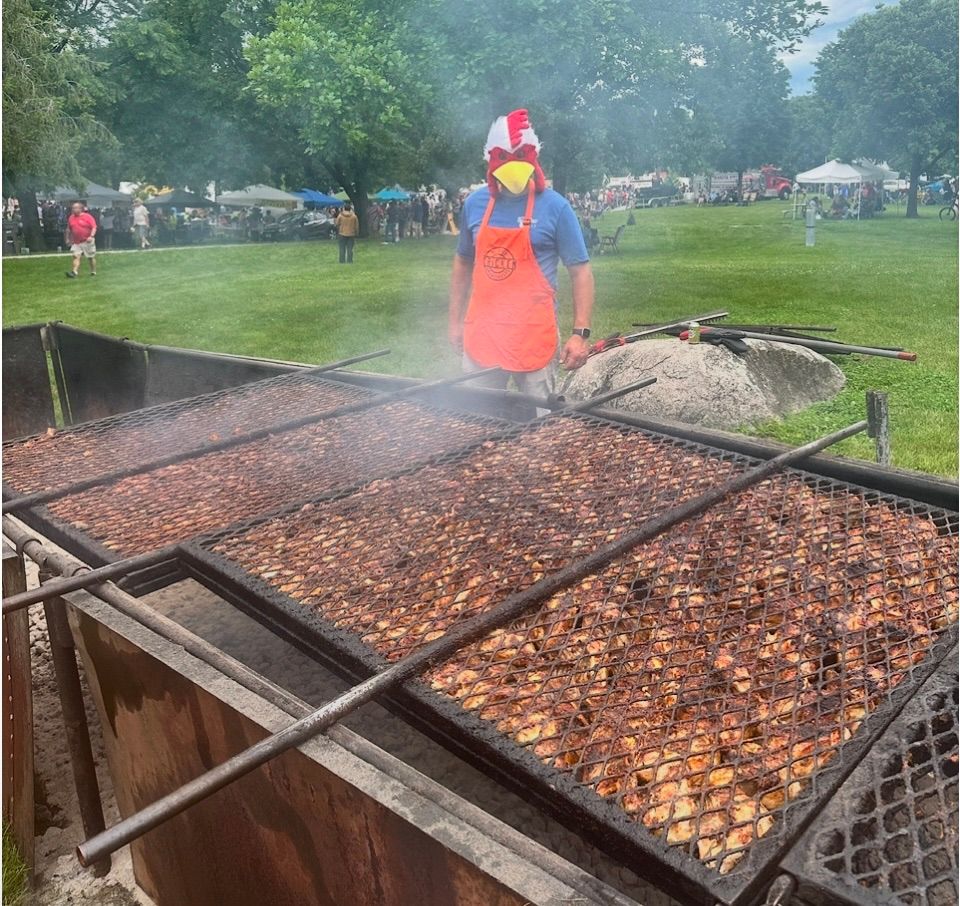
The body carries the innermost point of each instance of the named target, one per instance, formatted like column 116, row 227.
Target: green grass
column 887, row 281
column 14, row 870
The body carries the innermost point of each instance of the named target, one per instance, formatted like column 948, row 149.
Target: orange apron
column 510, row 320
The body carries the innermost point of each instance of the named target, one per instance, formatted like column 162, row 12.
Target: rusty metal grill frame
column 878, row 805
column 479, row 742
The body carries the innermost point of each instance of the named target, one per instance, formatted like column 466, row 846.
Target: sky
column 840, row 14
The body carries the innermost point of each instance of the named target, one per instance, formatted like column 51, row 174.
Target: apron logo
column 499, row 263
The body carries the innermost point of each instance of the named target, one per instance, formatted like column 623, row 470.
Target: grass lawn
column 882, row 282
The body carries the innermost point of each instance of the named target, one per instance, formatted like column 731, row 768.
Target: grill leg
column 75, row 723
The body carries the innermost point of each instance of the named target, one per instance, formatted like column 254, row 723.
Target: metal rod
column 75, row 723
column 41, row 497
column 814, row 328
column 137, row 610
column 826, row 346
column 432, row 653
column 85, row 579
column 601, row 398
column 613, row 342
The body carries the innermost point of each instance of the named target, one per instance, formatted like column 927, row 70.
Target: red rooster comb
column 511, row 137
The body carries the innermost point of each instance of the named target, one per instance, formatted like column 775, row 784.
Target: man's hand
column 575, row 353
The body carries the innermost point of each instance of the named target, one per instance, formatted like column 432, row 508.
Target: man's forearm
column 459, row 288
column 581, row 280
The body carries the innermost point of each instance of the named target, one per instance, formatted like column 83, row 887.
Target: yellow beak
column 514, row 175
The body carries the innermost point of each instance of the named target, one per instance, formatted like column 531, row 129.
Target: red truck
column 772, row 183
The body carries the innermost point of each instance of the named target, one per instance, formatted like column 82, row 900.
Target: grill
column 691, row 707
column 694, row 703
column 127, row 441
column 205, row 491
column 891, row 831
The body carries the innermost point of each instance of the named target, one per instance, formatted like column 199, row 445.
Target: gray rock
column 709, row 385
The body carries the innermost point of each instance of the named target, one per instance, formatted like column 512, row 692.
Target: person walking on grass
column 348, row 227
column 141, row 223
column 79, row 235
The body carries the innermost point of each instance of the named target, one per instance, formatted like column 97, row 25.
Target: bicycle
column 950, row 211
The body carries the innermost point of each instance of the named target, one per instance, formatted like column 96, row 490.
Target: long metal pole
column 825, row 345
column 87, row 578
column 41, row 497
column 434, row 652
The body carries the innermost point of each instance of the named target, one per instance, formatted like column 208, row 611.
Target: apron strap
column 528, row 214
column 488, row 212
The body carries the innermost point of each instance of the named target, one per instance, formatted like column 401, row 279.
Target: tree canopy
column 889, row 84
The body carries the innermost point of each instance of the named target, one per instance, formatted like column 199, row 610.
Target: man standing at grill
column 81, row 228
column 514, row 233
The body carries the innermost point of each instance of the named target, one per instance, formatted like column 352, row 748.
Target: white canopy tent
column 839, row 173
column 95, row 195
column 262, row 196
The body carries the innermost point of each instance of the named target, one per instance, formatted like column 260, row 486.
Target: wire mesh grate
column 165, row 506
column 700, row 682
column 892, row 830
column 399, row 561
column 87, row 451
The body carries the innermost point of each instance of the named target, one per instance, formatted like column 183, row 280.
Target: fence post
column 878, row 418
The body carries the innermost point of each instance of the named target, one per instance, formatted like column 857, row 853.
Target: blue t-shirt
column 554, row 232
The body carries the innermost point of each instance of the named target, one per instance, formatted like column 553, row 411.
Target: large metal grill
column 125, row 441
column 164, row 506
column 692, row 704
column 891, row 831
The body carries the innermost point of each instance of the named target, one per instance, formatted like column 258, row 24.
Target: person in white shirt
column 141, row 223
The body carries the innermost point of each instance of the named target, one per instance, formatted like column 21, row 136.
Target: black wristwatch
column 582, row 332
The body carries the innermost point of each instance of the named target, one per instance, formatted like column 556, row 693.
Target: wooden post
column 18, row 713
column 878, row 417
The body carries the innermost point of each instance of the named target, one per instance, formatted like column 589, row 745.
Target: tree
column 355, row 80
column 741, row 89
column 810, row 135
column 890, row 84
column 48, row 89
column 609, row 83
column 180, row 103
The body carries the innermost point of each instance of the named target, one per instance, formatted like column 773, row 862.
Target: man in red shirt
column 81, row 228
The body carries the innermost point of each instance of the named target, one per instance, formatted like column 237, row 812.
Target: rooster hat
column 511, row 152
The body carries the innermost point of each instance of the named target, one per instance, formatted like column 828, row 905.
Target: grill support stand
column 75, row 723
column 435, row 652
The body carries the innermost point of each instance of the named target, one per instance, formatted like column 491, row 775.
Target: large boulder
column 710, row 385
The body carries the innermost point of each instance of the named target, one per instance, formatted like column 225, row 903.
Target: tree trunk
column 739, row 185
column 32, row 228
column 357, row 193
column 912, row 191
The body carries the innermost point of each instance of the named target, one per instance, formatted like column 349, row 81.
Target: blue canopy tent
column 319, row 198
column 394, row 194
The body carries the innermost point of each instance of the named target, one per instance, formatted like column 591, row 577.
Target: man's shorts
column 88, row 248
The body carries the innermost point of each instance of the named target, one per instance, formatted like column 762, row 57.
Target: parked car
column 298, row 225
